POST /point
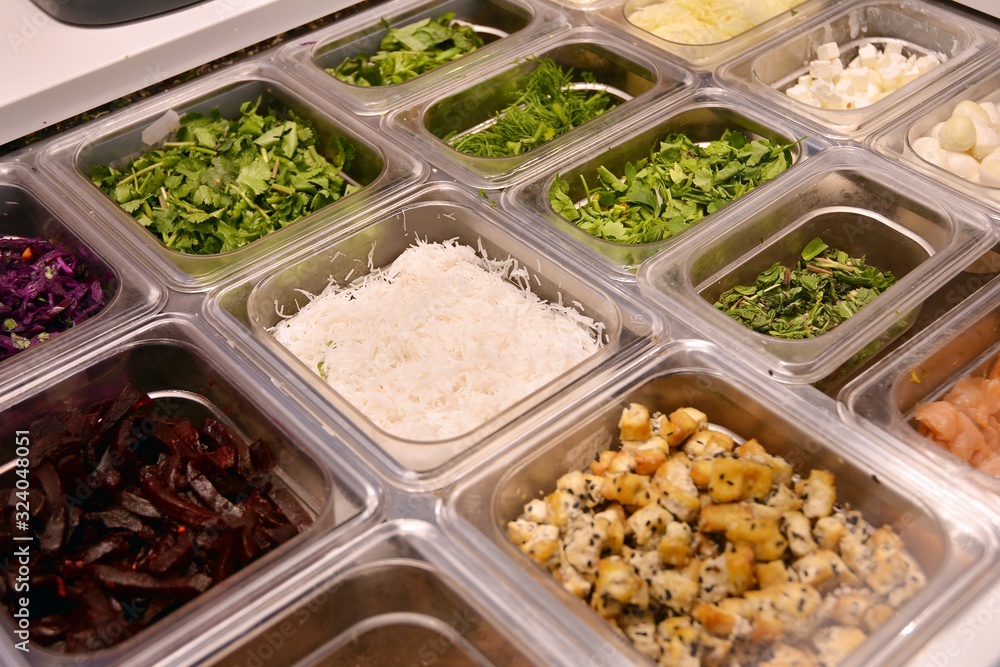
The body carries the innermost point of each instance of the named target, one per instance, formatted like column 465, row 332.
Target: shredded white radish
column 438, row 342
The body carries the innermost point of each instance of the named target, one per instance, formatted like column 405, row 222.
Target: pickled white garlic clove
column 991, row 110
column 958, row 134
column 989, row 173
column 987, row 140
column 930, row 149
column 962, row 164
column 971, row 110
column 995, row 155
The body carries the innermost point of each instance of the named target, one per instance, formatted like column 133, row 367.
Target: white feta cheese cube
column 897, row 59
column 800, row 93
column 820, row 69
column 805, row 80
column 890, row 77
column 844, row 85
column 821, row 88
column 927, row 63
column 859, row 78
column 868, row 55
column 827, row 94
column 828, row 51
column 893, row 47
column 909, row 75
column 855, row 62
column 836, row 67
column 860, row 101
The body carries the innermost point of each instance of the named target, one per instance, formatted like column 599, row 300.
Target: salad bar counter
column 517, row 332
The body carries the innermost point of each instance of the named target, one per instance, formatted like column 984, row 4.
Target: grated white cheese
column 438, row 342
column 706, row 21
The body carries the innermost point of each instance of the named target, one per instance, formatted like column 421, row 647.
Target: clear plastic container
column 704, row 117
column 629, row 75
column 191, row 375
column 954, row 547
column 32, row 207
column 504, row 25
column 857, row 203
column 381, row 170
column 709, row 56
column 920, row 29
column 965, row 343
column 400, row 595
column 972, row 279
column 440, row 212
column 896, row 141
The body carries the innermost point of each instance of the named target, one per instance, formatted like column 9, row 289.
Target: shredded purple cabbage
column 44, row 290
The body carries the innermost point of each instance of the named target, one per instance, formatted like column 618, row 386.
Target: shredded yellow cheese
column 706, row 21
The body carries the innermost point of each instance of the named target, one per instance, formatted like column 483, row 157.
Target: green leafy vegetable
column 824, row 288
column 548, row 107
column 409, row 51
column 221, row 184
column 679, row 184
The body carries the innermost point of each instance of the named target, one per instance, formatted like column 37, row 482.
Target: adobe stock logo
column 29, row 27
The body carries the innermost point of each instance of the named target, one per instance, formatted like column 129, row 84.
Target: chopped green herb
column 221, row 184
column 321, row 369
column 409, row 51
column 548, row 107
column 823, row 289
column 678, row 185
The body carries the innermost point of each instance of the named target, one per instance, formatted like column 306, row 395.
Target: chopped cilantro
column 220, row 184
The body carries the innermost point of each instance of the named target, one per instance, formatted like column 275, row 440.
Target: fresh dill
column 548, row 106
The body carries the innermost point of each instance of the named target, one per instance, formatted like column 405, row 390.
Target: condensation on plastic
column 898, row 221
column 947, row 539
column 921, row 29
column 896, row 141
column 383, row 171
column 440, row 212
column 643, row 75
column 703, row 117
column 180, row 356
column 310, row 56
